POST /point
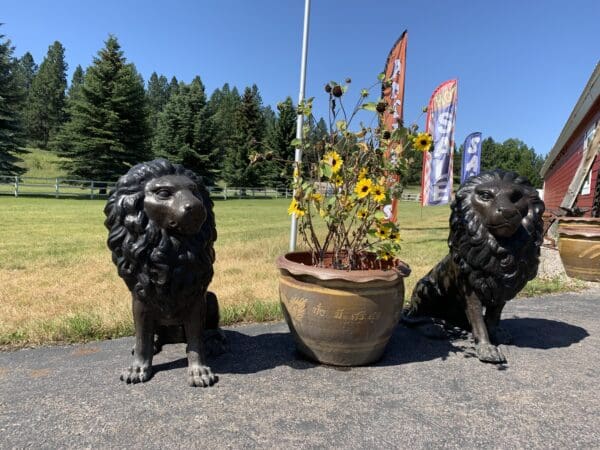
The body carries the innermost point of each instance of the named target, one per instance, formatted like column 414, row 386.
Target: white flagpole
column 300, row 118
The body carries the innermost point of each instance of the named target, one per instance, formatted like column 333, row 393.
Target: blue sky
column 521, row 65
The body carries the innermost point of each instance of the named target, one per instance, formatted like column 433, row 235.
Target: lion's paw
column 201, row 376
column 489, row 353
column 136, row 373
column 499, row 335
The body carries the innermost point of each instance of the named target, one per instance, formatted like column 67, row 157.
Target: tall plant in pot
column 342, row 296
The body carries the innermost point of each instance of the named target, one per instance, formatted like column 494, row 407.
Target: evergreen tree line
column 108, row 119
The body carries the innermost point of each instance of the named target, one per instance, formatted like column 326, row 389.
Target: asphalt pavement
column 423, row 393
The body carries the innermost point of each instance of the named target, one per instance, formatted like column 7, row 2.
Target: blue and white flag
column 471, row 158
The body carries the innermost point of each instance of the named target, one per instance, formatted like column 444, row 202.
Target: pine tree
column 157, row 95
column 76, row 83
column 184, row 130
column 247, row 140
column 280, row 134
column 108, row 131
column 45, row 109
column 27, row 69
column 10, row 101
column 222, row 111
column 173, row 87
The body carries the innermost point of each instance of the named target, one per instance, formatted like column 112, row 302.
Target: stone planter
column 579, row 247
column 339, row 317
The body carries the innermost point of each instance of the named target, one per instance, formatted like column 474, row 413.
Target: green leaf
column 296, row 142
column 326, row 169
column 371, row 106
column 379, row 215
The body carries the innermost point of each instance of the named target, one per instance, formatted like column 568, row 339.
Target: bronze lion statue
column 161, row 233
column 496, row 230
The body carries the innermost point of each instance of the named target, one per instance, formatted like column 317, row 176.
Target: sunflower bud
column 328, row 88
column 337, row 91
column 381, row 107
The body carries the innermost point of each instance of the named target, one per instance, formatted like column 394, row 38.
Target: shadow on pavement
column 543, row 333
column 251, row 354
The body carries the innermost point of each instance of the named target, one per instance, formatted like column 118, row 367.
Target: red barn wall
column 562, row 171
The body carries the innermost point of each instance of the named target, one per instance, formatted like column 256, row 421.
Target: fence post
column 16, row 185
column 57, row 188
column 92, row 190
column 225, row 193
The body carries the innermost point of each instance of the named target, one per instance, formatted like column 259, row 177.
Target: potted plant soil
column 343, row 294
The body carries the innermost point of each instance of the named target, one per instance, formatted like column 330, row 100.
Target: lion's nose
column 507, row 212
column 187, row 207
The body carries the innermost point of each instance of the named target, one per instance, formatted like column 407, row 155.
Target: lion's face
column 173, row 202
column 501, row 206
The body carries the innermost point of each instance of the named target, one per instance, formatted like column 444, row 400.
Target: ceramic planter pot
column 579, row 247
column 339, row 317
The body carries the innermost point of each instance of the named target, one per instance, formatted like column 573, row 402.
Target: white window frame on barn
column 586, row 189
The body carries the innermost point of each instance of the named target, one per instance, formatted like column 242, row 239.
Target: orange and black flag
column 393, row 95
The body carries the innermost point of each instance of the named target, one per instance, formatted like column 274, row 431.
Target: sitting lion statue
column 495, row 237
column 161, row 233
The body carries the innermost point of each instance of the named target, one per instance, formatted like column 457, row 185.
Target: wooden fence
column 63, row 187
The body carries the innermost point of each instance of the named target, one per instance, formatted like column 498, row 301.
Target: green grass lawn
column 57, row 282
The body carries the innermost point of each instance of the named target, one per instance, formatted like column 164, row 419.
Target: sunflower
column 334, row 160
column 316, row 197
column 422, row 142
column 363, row 187
column 378, row 192
column 337, row 179
column 381, row 233
column 362, row 173
column 295, row 208
column 362, row 213
column 385, row 255
column 394, row 236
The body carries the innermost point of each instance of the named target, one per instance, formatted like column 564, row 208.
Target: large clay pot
column 579, row 247
column 339, row 317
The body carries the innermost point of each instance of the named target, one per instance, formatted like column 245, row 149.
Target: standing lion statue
column 495, row 237
column 161, row 233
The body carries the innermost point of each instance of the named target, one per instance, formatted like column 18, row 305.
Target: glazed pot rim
column 588, row 232
column 286, row 262
column 587, row 220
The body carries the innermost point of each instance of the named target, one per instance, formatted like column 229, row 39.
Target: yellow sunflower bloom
column 334, row 160
column 394, row 236
column 422, row 142
column 295, row 208
column 378, row 193
column 385, row 255
column 362, row 213
column 363, row 187
column 338, row 180
column 362, row 173
column 316, row 197
column 381, row 233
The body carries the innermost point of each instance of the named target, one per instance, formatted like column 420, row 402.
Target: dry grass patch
column 57, row 282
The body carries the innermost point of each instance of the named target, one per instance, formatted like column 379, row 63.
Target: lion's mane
column 497, row 269
column 160, row 268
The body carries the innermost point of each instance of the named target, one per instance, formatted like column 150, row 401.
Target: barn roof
column 588, row 97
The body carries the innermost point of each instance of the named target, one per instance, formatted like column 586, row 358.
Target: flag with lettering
column 393, row 95
column 436, row 182
column 471, row 157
